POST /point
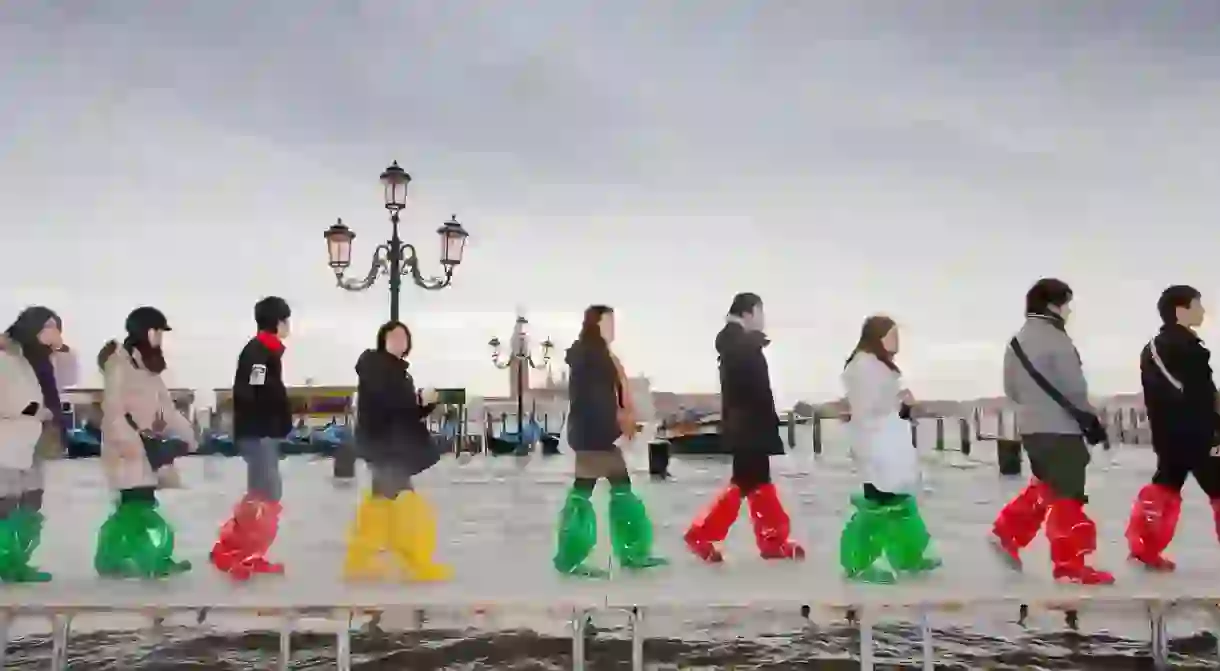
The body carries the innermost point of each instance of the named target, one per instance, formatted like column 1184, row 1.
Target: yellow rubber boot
column 414, row 538
column 368, row 538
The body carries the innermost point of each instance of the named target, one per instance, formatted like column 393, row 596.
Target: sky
column 926, row 160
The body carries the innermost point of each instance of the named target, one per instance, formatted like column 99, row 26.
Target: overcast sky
column 929, row 160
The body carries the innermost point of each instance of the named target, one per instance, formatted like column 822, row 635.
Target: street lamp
column 395, row 258
column 520, row 357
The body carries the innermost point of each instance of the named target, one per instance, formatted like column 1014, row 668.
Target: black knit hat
column 269, row 312
column 144, row 319
column 30, row 322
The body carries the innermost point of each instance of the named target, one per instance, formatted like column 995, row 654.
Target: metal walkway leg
column 6, row 622
column 866, row 639
column 61, row 629
column 343, row 647
column 1160, row 636
column 580, row 619
column 929, row 648
column 286, row 627
column 637, row 639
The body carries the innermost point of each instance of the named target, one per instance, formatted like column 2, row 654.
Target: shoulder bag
column 1090, row 426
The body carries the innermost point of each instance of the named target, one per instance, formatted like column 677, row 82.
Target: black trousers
column 751, row 470
column 1174, row 466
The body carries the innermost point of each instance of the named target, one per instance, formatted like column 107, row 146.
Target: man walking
column 749, row 426
column 1180, row 397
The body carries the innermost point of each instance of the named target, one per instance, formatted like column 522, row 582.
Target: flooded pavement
column 497, row 519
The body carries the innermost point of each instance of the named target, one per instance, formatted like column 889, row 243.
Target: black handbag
column 1090, row 425
column 159, row 450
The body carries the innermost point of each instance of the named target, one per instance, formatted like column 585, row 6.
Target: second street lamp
column 394, row 257
column 523, row 360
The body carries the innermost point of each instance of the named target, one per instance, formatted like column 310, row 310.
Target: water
column 497, row 520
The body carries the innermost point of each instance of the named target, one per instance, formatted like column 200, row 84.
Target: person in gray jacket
column 1055, row 437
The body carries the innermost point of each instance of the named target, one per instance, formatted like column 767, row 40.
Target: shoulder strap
column 1041, row 381
column 1156, row 358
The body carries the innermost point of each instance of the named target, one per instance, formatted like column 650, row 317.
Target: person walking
column 393, row 438
column 1181, row 401
column 601, row 421
column 262, row 419
column 749, row 428
column 886, row 534
column 35, row 367
column 138, row 415
column 1044, row 378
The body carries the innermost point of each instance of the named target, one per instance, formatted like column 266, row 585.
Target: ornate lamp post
column 523, row 360
column 394, row 257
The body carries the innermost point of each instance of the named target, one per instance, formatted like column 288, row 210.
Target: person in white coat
column 35, row 366
column 886, row 535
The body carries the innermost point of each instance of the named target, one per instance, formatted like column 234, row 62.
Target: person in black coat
column 393, row 438
column 601, row 421
column 262, row 419
column 1180, row 397
column 749, row 427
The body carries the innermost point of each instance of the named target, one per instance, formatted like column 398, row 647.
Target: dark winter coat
column 261, row 408
column 390, row 421
column 1182, row 420
column 594, row 397
column 749, row 423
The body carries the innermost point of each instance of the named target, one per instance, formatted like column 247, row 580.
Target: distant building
column 311, row 405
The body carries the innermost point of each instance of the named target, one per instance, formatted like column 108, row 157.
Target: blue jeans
column 262, row 457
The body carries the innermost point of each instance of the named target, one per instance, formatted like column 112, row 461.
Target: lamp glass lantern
column 453, row 242
column 394, row 182
column 339, row 245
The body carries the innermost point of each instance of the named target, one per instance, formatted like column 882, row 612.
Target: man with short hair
column 1180, row 397
column 749, row 426
column 1054, row 437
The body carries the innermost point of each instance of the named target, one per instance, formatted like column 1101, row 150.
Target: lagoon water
column 497, row 521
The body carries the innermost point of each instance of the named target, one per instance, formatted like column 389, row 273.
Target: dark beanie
column 269, row 312
column 144, row 319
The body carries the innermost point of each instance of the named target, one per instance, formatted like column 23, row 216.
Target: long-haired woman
column 601, row 419
column 138, row 416
column 393, row 438
column 886, row 524
column 35, row 366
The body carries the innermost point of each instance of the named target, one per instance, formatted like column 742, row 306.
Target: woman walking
column 886, row 534
column 35, row 366
column 601, row 419
column 392, row 437
column 138, row 414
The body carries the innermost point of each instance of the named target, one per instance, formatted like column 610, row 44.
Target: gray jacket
column 1050, row 350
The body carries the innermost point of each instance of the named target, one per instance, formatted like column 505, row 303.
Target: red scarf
column 271, row 341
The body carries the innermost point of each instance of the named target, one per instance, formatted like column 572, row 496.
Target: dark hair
column 1046, row 293
column 875, row 328
column 590, row 323
column 744, row 303
column 387, row 328
column 1176, row 296
column 269, row 312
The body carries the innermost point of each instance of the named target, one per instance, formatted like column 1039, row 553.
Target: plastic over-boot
column 136, row 541
column 241, row 549
column 1154, row 519
column 576, row 535
column 631, row 530
column 772, row 525
column 907, row 542
column 1073, row 537
column 1020, row 521
column 713, row 524
column 20, row 535
column 368, row 540
column 862, row 543
column 413, row 538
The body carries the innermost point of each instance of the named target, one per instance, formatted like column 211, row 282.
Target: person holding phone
column 1181, row 400
column 138, row 416
column 262, row 419
column 35, row 366
column 1044, row 378
column 393, row 438
column 601, row 421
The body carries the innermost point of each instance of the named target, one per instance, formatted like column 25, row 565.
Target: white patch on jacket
column 880, row 439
